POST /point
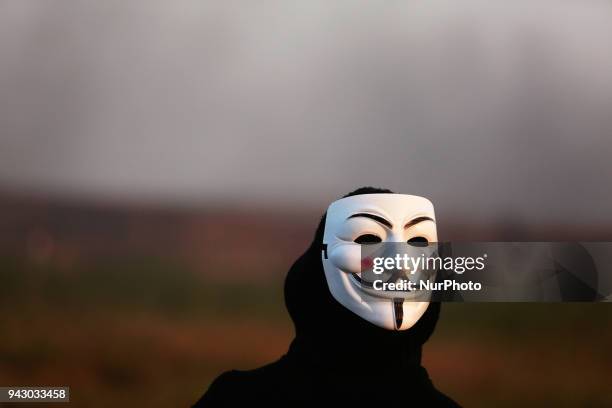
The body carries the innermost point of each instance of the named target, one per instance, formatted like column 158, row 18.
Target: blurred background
column 163, row 163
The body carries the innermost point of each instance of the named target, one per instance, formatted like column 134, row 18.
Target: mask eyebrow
column 417, row 220
column 376, row 218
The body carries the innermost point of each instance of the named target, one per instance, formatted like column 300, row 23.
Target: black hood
column 337, row 358
column 336, row 338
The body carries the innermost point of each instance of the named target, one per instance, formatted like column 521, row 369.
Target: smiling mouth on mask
column 360, row 281
column 396, row 276
column 367, row 287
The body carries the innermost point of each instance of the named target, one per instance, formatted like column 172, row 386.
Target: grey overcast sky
column 487, row 107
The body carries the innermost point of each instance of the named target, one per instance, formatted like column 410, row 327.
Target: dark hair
column 368, row 190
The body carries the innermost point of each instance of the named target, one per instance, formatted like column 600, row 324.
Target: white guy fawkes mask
column 371, row 218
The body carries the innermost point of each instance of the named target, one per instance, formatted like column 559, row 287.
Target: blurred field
column 142, row 311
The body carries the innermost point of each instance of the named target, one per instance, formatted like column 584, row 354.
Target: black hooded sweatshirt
column 336, row 358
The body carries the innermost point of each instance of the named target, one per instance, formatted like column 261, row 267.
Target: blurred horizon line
column 255, row 212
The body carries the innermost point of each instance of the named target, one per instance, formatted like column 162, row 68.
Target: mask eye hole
column 418, row 241
column 367, row 239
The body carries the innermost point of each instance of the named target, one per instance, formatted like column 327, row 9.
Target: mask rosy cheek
column 366, row 263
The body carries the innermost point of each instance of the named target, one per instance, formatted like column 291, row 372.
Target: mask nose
column 395, row 237
column 400, row 270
